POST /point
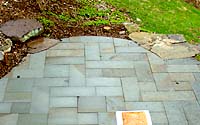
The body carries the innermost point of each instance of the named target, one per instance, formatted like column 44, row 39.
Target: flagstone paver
column 84, row 80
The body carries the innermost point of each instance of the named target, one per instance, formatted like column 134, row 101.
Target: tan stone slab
column 18, row 97
column 58, row 53
column 182, row 77
column 168, row 96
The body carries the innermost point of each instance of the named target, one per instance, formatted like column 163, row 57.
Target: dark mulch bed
column 17, row 9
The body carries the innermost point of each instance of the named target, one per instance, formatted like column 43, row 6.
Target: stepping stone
column 41, row 44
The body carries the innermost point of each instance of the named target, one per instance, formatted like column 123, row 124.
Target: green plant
column 169, row 17
column 46, row 22
column 64, row 17
column 197, row 57
column 96, row 22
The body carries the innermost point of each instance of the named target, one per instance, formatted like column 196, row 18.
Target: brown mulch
column 17, row 9
column 196, row 3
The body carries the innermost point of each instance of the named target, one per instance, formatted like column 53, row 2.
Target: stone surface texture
column 41, row 44
column 67, row 85
column 172, row 46
column 21, row 29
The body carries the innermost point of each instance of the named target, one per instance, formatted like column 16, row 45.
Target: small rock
column 138, row 20
column 106, row 28
column 122, row 32
column 131, row 27
column 178, row 37
column 41, row 44
column 1, row 55
column 5, row 43
column 102, row 6
column 21, row 29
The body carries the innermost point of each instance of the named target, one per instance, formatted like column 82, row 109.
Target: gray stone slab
column 107, row 119
column 99, row 39
column 151, row 106
column 77, row 75
column 63, row 102
column 20, row 85
column 94, row 73
column 182, row 86
column 130, row 49
column 32, row 119
column 168, row 96
column 183, row 68
column 115, row 103
column 37, row 60
column 163, row 81
column 3, row 84
column 92, row 52
column 65, row 53
column 65, row 40
column 51, row 82
column 184, row 61
column 25, row 63
column 75, row 39
column 119, row 72
column 130, row 89
column 154, row 59
column 101, row 81
column 159, row 118
column 9, row 119
column 91, row 104
column 18, row 97
column 175, row 114
column 123, row 42
column 107, row 48
column 91, row 39
column 65, row 60
column 182, row 77
column 62, row 116
column 73, row 91
column 109, row 64
column 192, row 112
column 65, row 45
column 28, row 73
column 143, row 71
column 20, row 107
column 40, row 100
column 125, row 56
column 87, row 118
column 158, row 68
column 109, row 91
column 5, row 107
column 196, row 89
column 56, row 71
column 197, row 76
column 147, row 86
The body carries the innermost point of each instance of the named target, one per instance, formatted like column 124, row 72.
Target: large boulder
column 21, row 29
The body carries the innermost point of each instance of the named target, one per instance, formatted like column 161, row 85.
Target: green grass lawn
column 167, row 17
